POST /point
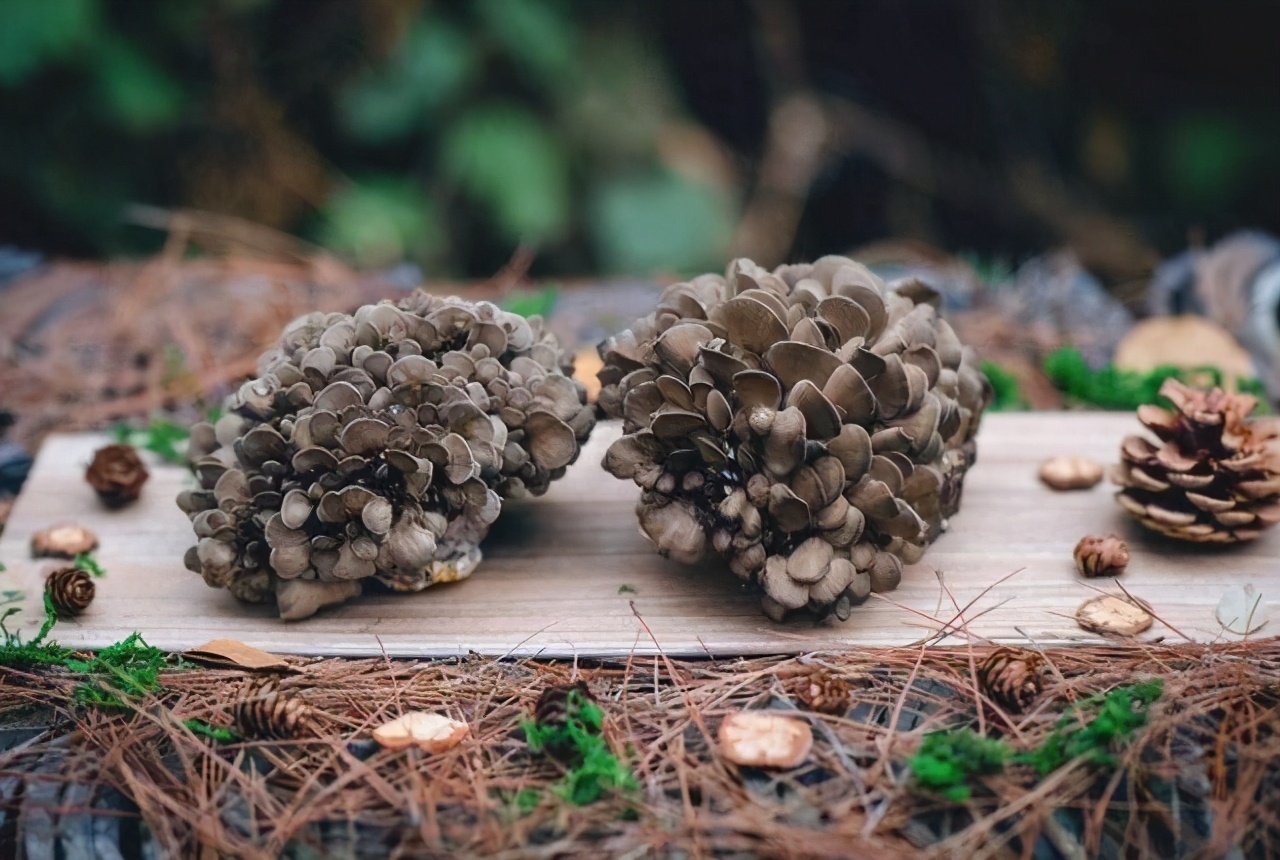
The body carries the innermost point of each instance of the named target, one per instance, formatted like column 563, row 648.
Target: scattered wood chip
column 1110, row 615
column 1070, row 473
column 754, row 739
column 1242, row 610
column 233, row 654
column 63, row 541
column 432, row 733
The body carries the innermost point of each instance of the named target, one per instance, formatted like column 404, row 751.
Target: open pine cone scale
column 1215, row 477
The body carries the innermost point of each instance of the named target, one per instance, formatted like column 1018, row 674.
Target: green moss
column 526, row 800
column 1111, row 388
column 528, row 303
column 89, row 564
column 591, row 768
column 14, row 652
column 161, row 436
column 126, row 670
column 1118, row 715
column 948, row 760
column 222, row 734
column 1008, row 395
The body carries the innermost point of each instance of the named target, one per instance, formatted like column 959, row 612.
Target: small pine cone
column 1011, row 678
column 266, row 711
column 117, row 475
column 70, row 590
column 1215, row 477
column 821, row 691
column 1101, row 556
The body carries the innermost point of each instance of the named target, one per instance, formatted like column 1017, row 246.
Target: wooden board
column 559, row 570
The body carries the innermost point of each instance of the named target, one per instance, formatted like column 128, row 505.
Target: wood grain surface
column 568, row 574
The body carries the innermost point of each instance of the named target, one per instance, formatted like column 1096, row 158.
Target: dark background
column 634, row 136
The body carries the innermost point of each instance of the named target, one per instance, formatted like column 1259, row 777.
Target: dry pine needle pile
column 1214, row 731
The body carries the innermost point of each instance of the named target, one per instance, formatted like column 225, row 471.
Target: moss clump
column 222, row 734
column 161, row 437
column 948, row 760
column 1119, row 714
column 1007, row 394
column 578, row 741
column 89, row 565
column 129, row 669
column 1112, row 388
column 16, row 653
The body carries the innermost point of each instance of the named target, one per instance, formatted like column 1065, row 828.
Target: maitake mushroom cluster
column 811, row 424
column 1214, row 477
column 379, row 446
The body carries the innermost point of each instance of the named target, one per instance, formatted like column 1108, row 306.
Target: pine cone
column 117, row 475
column 70, row 590
column 810, row 424
column 265, row 711
column 1215, row 478
column 821, row 691
column 1101, row 556
column 379, row 446
column 1011, row 678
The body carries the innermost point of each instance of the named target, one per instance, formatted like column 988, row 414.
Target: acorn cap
column 379, row 446
column 838, row 410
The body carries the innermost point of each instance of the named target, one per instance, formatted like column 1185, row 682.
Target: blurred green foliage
column 445, row 133
column 1007, row 393
column 450, row 131
column 1116, row 389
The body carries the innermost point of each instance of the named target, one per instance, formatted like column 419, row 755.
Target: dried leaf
column 233, row 654
column 1242, row 609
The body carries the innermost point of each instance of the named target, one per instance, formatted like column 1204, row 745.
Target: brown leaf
column 233, row 654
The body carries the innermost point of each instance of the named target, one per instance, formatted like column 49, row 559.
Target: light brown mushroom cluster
column 811, row 424
column 379, row 446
